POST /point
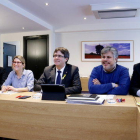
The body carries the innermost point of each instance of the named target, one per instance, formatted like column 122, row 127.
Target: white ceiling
column 34, row 15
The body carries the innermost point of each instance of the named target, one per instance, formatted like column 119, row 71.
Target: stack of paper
column 85, row 99
column 83, row 96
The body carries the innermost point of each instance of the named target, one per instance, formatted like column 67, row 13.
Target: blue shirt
column 119, row 76
column 26, row 80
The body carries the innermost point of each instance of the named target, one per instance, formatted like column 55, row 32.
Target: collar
column 24, row 72
column 110, row 71
column 61, row 69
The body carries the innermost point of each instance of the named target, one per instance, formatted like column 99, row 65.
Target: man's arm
column 123, row 85
column 45, row 78
column 97, row 88
column 41, row 80
column 76, row 84
column 120, row 88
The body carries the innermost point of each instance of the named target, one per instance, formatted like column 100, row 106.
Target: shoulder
column 11, row 73
column 137, row 65
column 121, row 70
column 69, row 66
column 119, row 67
column 48, row 68
column 27, row 72
column 98, row 68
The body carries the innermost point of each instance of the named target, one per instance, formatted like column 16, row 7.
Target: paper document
column 107, row 97
column 111, row 97
column 8, row 92
column 102, row 96
column 99, row 101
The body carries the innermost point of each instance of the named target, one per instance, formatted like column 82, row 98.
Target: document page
column 8, row 92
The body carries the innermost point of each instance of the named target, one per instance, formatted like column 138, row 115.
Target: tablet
column 53, row 92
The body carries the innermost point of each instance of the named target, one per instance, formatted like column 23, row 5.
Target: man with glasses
column 109, row 78
column 62, row 73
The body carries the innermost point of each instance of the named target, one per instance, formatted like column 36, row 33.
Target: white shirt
column 62, row 70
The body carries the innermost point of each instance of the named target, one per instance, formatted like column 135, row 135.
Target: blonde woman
column 20, row 79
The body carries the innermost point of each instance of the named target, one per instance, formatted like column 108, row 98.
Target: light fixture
column 47, row 4
column 23, row 28
column 85, row 18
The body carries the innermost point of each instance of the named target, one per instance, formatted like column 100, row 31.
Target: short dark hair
column 64, row 51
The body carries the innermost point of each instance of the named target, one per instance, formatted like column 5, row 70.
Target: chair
column 84, row 83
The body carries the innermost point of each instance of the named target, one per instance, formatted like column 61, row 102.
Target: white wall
column 72, row 41
column 18, row 37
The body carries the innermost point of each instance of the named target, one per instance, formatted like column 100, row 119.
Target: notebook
column 53, row 92
column 83, row 97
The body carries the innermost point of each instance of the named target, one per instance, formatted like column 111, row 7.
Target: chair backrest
column 84, row 83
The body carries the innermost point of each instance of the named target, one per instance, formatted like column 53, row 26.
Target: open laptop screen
column 53, row 92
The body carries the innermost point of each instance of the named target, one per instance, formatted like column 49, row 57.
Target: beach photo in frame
column 91, row 50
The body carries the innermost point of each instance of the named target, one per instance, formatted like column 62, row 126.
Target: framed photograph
column 91, row 50
column 9, row 61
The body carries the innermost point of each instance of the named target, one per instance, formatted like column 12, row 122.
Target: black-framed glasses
column 59, row 56
column 14, row 62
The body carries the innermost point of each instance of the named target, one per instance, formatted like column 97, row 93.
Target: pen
column 19, row 96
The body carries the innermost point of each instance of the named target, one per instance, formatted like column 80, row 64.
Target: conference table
column 137, row 99
column 36, row 119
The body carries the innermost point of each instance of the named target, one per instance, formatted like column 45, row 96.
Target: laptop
column 53, row 92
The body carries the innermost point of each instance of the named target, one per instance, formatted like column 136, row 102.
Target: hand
column 96, row 81
column 4, row 88
column 116, row 85
column 12, row 88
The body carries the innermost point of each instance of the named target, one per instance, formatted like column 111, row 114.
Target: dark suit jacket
column 3, row 76
column 71, row 80
column 135, row 80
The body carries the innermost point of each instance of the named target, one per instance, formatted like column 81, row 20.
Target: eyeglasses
column 14, row 62
column 59, row 56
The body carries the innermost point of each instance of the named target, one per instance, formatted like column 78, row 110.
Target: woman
column 19, row 80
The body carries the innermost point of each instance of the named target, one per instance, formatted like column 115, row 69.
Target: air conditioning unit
column 117, row 14
column 121, row 10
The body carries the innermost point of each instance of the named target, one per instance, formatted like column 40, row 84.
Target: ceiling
column 34, row 15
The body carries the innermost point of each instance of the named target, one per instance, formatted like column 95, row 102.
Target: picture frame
column 91, row 50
